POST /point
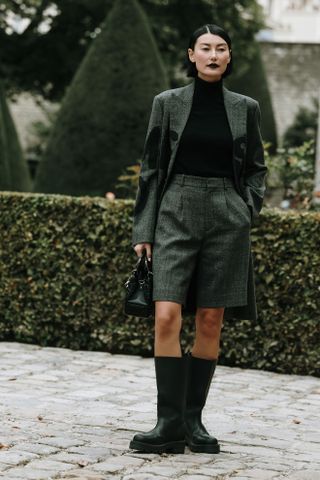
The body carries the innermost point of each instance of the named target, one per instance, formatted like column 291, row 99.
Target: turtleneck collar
column 208, row 87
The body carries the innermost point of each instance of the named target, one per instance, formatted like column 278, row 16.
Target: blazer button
column 173, row 135
column 242, row 145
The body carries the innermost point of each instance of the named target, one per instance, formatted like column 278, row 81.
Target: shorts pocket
column 246, row 206
column 239, row 211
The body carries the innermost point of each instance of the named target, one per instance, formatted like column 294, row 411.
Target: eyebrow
column 218, row 44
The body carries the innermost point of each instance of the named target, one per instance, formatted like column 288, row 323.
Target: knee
column 209, row 322
column 167, row 325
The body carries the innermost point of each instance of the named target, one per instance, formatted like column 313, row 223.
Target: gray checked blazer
column 169, row 115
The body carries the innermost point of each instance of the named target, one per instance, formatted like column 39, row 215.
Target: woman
column 201, row 184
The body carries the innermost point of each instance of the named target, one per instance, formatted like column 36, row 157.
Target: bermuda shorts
column 203, row 225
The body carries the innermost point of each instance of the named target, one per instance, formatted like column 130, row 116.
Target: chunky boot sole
column 169, row 447
column 194, row 447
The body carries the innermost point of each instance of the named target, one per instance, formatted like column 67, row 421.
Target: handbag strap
column 144, row 263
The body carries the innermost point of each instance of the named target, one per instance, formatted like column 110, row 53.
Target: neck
column 206, row 87
column 209, row 80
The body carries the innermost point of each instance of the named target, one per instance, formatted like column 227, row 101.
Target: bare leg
column 208, row 330
column 168, row 323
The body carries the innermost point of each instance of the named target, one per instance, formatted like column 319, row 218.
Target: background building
column 296, row 21
column 291, row 53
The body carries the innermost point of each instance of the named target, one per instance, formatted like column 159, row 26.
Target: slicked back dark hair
column 208, row 28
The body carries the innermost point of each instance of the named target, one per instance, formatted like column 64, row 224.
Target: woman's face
column 211, row 56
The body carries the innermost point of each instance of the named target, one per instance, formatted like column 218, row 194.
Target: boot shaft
column 200, row 373
column 171, row 378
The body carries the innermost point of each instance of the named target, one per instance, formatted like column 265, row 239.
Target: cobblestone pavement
column 71, row 414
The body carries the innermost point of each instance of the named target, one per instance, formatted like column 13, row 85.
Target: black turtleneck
column 205, row 147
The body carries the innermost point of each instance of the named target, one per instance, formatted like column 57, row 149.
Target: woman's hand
column 139, row 247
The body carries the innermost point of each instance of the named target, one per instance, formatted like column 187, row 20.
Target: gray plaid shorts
column 204, row 224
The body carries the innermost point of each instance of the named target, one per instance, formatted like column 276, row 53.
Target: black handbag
column 138, row 289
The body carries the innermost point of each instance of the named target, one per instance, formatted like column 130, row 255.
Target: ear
column 191, row 55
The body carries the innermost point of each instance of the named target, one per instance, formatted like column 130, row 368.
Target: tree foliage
column 293, row 170
column 303, row 128
column 45, row 56
column 253, row 82
column 14, row 173
column 103, row 118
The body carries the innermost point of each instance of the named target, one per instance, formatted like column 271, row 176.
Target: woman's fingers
column 149, row 251
column 139, row 248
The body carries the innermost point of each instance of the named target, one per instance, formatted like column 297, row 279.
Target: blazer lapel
column 179, row 111
column 180, row 107
column 236, row 109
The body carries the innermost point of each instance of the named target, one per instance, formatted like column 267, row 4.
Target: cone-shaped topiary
column 102, row 123
column 254, row 83
column 14, row 172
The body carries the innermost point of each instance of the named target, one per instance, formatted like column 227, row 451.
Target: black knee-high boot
column 169, row 434
column 200, row 373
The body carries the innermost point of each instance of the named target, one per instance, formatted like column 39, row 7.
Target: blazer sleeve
column 145, row 208
column 255, row 170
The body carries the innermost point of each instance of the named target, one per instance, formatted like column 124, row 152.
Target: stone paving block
column 146, row 456
column 61, row 442
column 257, row 474
column 37, row 448
column 93, row 420
column 304, row 475
column 4, row 467
column 214, row 469
column 9, row 457
column 145, row 424
column 97, row 454
column 80, row 431
column 196, row 477
column 276, row 466
column 99, row 443
column 75, row 458
column 142, row 476
column 179, row 467
column 253, row 450
column 165, row 471
column 117, row 464
column 26, row 473
column 310, row 458
column 46, row 463
column 193, row 458
column 309, row 436
column 256, row 421
column 305, row 447
column 109, row 448
column 83, row 474
column 238, row 477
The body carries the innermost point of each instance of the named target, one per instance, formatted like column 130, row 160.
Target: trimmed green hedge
column 64, row 261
